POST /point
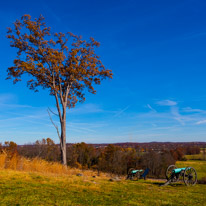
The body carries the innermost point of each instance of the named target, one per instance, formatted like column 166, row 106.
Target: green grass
column 200, row 156
column 194, row 157
column 198, row 165
column 24, row 188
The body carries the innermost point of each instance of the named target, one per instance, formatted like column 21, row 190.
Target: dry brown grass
column 2, row 160
column 19, row 163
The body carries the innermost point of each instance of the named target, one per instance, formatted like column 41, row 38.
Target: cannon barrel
column 178, row 170
column 135, row 171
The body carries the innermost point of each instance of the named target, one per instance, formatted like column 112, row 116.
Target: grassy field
column 30, row 188
column 195, row 157
column 200, row 156
column 200, row 166
column 42, row 183
column 196, row 161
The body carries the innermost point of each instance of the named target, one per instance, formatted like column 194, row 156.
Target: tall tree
column 64, row 64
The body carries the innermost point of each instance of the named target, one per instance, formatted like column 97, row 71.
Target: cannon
column 173, row 174
column 134, row 174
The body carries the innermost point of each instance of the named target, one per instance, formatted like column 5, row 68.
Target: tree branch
column 56, row 127
column 60, row 88
column 52, row 112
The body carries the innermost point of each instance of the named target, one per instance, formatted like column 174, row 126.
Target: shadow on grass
column 171, row 185
column 162, row 184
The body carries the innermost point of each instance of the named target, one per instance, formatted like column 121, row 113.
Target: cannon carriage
column 188, row 174
column 134, row 174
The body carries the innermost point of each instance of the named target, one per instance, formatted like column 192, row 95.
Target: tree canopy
column 65, row 70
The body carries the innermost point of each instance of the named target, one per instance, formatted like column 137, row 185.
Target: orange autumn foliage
column 64, row 64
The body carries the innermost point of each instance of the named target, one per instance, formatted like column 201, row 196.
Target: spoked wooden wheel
column 130, row 175
column 136, row 176
column 190, row 176
column 133, row 176
column 170, row 175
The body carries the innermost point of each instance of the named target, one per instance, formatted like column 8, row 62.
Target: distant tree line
column 111, row 158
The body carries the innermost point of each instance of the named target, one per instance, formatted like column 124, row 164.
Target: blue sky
column 157, row 51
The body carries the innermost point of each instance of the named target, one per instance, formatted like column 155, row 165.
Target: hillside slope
column 30, row 188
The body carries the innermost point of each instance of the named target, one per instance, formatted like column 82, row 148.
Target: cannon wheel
column 132, row 176
column 168, row 174
column 129, row 174
column 190, row 176
column 137, row 176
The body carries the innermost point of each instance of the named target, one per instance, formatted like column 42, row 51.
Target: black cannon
column 173, row 174
column 134, row 174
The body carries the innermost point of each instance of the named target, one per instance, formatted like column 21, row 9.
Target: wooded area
column 113, row 159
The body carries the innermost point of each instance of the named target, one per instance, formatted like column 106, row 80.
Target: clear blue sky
column 157, row 51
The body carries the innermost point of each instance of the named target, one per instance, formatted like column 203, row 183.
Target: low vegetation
column 111, row 158
column 200, row 167
column 35, row 181
column 32, row 188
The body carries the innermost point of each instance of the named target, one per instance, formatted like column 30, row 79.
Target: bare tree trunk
column 63, row 142
column 62, row 137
